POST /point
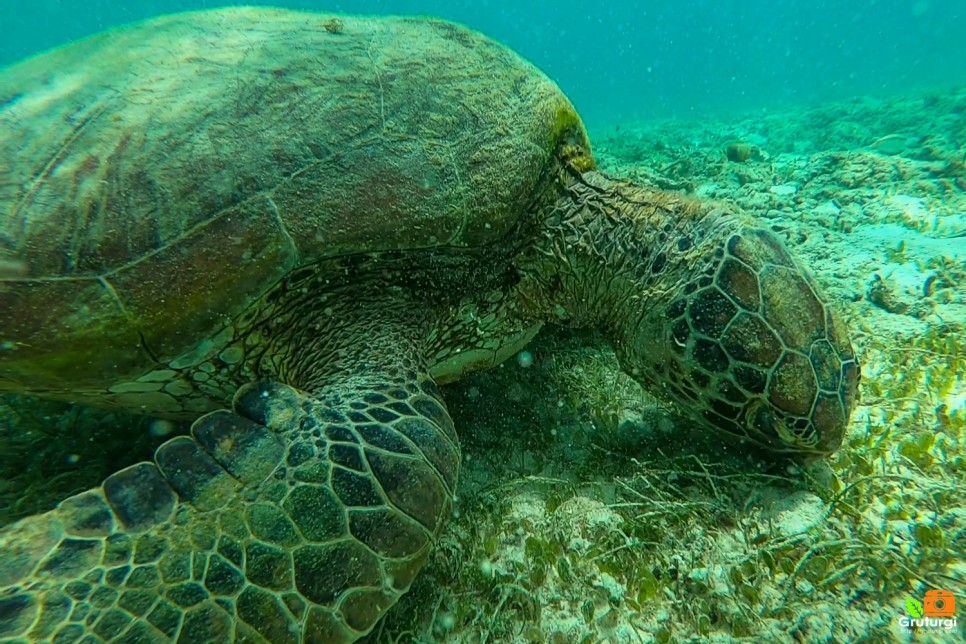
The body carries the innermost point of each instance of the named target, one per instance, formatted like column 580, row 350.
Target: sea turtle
column 314, row 220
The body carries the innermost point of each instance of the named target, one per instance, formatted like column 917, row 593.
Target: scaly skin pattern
column 300, row 516
column 703, row 305
column 306, row 511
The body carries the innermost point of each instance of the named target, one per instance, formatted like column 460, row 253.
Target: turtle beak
column 747, row 343
column 803, row 439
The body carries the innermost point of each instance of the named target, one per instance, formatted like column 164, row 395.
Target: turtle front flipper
column 295, row 518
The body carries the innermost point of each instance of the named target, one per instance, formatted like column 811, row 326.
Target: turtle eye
column 764, row 423
column 776, row 429
column 770, row 426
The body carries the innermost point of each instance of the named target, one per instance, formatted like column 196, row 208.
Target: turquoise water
column 625, row 59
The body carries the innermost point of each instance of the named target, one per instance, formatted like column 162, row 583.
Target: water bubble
column 447, row 621
column 524, row 359
column 486, row 568
column 161, row 428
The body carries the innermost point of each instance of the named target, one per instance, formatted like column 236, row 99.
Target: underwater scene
column 402, row 321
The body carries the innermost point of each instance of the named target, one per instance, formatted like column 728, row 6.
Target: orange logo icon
column 939, row 603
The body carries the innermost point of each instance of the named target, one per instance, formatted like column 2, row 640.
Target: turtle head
column 702, row 305
column 747, row 343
